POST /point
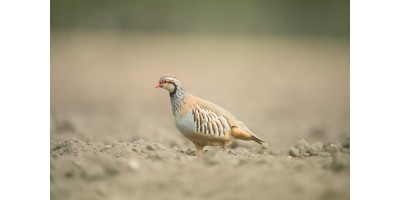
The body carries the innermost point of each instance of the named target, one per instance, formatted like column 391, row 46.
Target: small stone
column 190, row 152
column 133, row 165
column 295, row 152
column 302, row 144
column 150, row 147
column 303, row 147
column 231, row 151
column 332, row 149
column 316, row 148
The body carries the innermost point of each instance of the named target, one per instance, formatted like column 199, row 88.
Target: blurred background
column 253, row 17
column 282, row 67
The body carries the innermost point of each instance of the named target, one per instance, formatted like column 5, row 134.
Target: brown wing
column 244, row 133
column 208, row 122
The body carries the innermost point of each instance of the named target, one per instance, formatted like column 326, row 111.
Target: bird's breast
column 185, row 123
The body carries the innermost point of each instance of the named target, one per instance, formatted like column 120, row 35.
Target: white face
column 168, row 86
column 168, row 83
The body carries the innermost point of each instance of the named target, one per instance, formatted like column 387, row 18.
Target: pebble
column 133, row 165
column 150, row 147
column 332, row 149
column 300, row 149
column 295, row 152
column 316, row 148
column 303, row 147
column 302, row 144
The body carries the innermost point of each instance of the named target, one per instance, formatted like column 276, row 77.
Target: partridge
column 202, row 122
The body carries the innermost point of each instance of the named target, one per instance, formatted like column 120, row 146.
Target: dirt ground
column 113, row 136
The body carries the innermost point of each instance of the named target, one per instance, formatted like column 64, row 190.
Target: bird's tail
column 248, row 132
column 256, row 139
column 243, row 135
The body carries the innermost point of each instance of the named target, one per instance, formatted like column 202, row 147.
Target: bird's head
column 169, row 83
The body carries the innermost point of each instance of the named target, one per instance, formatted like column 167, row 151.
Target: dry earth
column 113, row 137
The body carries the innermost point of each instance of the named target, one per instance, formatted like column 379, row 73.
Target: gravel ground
column 146, row 170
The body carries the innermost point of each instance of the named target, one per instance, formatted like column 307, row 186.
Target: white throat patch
column 168, row 86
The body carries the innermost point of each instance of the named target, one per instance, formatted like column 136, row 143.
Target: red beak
column 159, row 85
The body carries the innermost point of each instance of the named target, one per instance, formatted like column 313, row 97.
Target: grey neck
column 177, row 98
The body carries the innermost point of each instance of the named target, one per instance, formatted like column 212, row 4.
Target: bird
column 202, row 122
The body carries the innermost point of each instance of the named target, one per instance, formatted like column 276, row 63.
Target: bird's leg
column 199, row 150
column 224, row 146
